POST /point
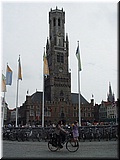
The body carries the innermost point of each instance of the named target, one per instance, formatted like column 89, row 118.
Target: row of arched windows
column 56, row 21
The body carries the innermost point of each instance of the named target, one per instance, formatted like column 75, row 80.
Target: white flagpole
column 79, row 93
column 43, row 94
column 79, row 98
column 116, row 112
column 17, row 92
column 3, row 110
column 17, row 103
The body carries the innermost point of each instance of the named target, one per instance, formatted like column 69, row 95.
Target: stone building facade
column 31, row 110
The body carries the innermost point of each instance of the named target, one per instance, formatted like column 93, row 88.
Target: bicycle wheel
column 12, row 137
column 52, row 147
column 71, row 147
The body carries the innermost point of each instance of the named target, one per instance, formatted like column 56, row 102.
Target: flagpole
column 79, row 98
column 17, row 103
column 116, row 113
column 43, row 94
column 3, row 111
column 79, row 93
column 19, row 77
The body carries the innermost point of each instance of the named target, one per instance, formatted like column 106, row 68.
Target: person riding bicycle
column 60, row 132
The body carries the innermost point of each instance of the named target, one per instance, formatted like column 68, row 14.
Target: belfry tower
column 58, row 83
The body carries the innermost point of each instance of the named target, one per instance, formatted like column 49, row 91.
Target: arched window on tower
column 60, row 58
column 54, row 22
column 61, row 96
column 59, row 42
column 58, row 21
column 61, row 93
column 55, row 40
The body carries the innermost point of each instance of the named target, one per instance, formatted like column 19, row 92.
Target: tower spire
column 110, row 90
column 110, row 96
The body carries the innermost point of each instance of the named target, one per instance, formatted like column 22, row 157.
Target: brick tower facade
column 58, row 83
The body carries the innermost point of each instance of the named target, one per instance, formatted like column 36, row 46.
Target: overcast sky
column 25, row 28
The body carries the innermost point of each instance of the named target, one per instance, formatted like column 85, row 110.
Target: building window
column 75, row 108
column 59, row 42
column 54, row 22
column 37, row 112
column 55, row 109
column 47, row 112
column 62, row 114
column 31, row 112
column 68, row 110
column 61, row 93
column 31, row 107
column 55, row 40
column 59, row 22
column 84, row 114
column 89, row 115
column 75, row 114
column 60, row 58
column 37, row 107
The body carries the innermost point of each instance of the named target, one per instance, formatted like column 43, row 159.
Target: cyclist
column 60, row 132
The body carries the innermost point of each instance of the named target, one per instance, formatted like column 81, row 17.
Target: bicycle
column 69, row 141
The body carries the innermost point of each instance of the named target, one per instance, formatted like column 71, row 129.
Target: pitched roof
column 37, row 97
column 75, row 99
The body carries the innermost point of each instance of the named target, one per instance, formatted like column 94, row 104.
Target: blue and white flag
column 8, row 76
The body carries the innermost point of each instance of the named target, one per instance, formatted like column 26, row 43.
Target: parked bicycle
column 90, row 134
column 82, row 136
column 97, row 134
column 69, row 143
column 106, row 134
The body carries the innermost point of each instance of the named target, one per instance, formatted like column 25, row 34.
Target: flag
column 3, row 83
column 19, row 70
column 46, row 69
column 8, row 76
column 78, row 57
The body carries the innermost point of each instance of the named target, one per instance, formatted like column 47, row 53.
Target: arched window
column 60, row 58
column 61, row 93
column 54, row 21
column 59, row 22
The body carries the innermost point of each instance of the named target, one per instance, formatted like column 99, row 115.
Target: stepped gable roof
column 75, row 99
column 37, row 97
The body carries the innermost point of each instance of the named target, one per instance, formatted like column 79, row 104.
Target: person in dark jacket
column 60, row 132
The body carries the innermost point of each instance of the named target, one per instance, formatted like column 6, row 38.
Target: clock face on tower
column 59, row 34
column 60, row 69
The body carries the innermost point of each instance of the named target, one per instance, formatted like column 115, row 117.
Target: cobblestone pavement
column 26, row 150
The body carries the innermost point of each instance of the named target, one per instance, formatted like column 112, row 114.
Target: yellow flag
column 3, row 83
column 46, row 69
column 19, row 70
